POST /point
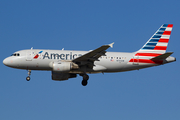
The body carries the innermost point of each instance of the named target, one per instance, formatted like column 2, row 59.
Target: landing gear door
column 136, row 60
column 29, row 55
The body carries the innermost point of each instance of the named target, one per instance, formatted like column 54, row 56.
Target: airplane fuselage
column 112, row 62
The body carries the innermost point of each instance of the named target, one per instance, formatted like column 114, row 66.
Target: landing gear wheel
column 28, row 78
column 84, row 82
column 85, row 79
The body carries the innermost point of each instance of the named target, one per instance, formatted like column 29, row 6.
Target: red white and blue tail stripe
column 155, row 46
column 159, row 41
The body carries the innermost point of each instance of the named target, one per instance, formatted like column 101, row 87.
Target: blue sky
column 148, row 94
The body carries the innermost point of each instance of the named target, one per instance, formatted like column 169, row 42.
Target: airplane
column 65, row 64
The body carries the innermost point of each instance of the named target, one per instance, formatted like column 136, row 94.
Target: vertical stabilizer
column 159, row 41
column 154, row 47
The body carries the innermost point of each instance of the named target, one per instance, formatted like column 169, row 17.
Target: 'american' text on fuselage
column 60, row 56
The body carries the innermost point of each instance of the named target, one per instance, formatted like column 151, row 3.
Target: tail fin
column 159, row 41
column 154, row 50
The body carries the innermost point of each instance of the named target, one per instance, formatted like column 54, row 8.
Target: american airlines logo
column 37, row 55
column 60, row 56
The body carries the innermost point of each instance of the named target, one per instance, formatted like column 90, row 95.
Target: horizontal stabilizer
column 163, row 56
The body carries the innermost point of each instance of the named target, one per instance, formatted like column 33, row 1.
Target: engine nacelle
column 62, row 66
column 59, row 76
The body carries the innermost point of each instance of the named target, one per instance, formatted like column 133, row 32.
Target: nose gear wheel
column 28, row 77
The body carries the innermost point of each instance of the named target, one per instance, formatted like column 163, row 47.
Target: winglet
column 111, row 45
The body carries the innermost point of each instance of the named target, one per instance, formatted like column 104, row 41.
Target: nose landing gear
column 28, row 77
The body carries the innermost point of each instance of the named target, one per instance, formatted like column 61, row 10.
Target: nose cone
column 5, row 62
column 8, row 62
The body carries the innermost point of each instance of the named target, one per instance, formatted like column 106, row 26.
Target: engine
column 59, row 76
column 60, row 70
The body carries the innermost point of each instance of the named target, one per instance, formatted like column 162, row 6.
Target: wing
column 92, row 56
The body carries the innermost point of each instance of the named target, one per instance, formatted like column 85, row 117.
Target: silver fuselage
column 111, row 62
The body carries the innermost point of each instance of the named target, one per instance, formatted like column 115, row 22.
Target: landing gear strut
column 85, row 79
column 28, row 77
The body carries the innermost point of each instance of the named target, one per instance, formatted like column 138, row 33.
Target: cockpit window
column 15, row 54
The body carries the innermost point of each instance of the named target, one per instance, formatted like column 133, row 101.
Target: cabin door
column 29, row 55
column 136, row 60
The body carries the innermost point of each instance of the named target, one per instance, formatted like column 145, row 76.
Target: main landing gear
column 28, row 77
column 85, row 79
